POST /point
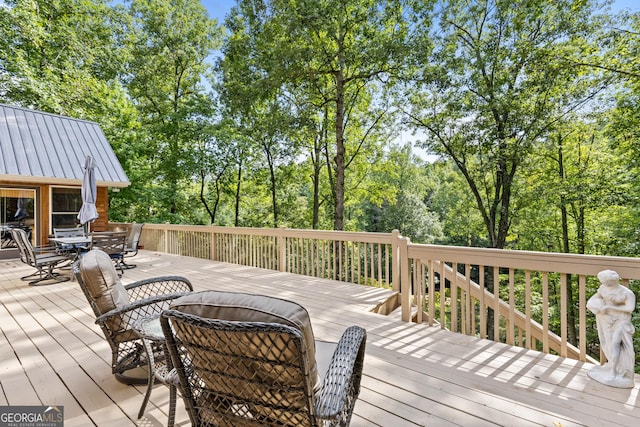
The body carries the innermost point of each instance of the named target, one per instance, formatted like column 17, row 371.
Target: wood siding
column 43, row 192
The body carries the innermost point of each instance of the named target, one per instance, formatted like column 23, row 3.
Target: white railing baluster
column 385, row 259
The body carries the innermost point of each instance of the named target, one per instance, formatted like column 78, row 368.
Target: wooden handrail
column 392, row 261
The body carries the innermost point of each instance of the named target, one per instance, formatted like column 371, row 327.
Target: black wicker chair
column 250, row 360
column 118, row 307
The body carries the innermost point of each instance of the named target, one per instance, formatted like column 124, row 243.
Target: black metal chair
column 131, row 247
column 118, row 307
column 113, row 244
column 44, row 259
column 250, row 360
column 69, row 232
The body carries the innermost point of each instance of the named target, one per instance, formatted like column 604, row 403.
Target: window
column 17, row 210
column 65, row 205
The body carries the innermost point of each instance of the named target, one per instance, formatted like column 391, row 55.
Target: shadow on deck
column 52, row 353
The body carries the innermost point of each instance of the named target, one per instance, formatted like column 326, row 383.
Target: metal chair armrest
column 153, row 286
column 341, row 384
column 38, row 250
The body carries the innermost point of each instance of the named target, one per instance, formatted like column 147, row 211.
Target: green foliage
column 60, row 56
column 308, row 97
column 169, row 43
column 500, row 79
column 396, row 198
column 330, row 56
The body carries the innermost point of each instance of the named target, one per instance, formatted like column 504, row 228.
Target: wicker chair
column 117, row 307
column 44, row 259
column 250, row 360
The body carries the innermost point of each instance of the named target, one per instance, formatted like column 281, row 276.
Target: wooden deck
column 52, row 353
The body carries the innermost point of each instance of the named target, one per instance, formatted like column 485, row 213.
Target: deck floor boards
column 52, row 353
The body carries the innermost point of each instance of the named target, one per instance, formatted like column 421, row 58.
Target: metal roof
column 47, row 148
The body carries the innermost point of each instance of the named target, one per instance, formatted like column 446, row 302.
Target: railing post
column 405, row 280
column 400, row 269
column 282, row 249
column 395, row 260
column 166, row 239
column 212, row 243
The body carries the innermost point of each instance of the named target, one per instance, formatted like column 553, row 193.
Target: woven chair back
column 241, row 373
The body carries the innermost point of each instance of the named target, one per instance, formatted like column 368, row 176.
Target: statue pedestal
column 604, row 374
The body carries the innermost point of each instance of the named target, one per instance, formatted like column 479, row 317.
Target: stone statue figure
column 613, row 304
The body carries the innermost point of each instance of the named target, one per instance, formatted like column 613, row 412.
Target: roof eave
column 59, row 181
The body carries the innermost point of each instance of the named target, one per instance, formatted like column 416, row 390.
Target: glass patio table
column 72, row 246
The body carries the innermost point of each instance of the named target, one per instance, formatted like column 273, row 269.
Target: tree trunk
column 238, row 186
column 203, row 200
column 318, row 143
column 566, row 248
column 274, row 199
column 338, row 217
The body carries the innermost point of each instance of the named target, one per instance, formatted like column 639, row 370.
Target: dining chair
column 133, row 242
column 113, row 244
column 44, row 259
column 70, row 232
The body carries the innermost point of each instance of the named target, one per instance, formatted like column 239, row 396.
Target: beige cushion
column 101, row 280
column 233, row 306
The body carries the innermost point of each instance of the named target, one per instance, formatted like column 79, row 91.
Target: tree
column 400, row 203
column 66, row 57
column 448, row 196
column 581, row 186
column 341, row 52
column 501, row 77
column 170, row 43
column 623, row 130
column 62, row 57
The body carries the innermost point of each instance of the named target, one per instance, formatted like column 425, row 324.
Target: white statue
column 613, row 304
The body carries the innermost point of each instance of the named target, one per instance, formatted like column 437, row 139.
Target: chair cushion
column 232, row 306
column 102, row 282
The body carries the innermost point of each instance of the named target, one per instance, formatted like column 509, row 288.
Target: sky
column 219, row 8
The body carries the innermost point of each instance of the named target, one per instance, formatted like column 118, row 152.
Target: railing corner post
column 282, row 249
column 401, row 281
column 212, row 243
column 405, row 280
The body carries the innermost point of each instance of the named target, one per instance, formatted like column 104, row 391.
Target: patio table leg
column 150, row 333
column 151, row 381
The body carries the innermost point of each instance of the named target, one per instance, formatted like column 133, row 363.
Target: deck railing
column 453, row 287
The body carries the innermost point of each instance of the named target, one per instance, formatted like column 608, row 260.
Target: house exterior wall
column 43, row 203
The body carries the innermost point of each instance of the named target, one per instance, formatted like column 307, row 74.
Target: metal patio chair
column 131, row 247
column 251, row 360
column 44, row 259
column 113, row 243
column 118, row 307
column 70, row 251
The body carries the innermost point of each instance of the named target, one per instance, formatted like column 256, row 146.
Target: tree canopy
column 297, row 113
